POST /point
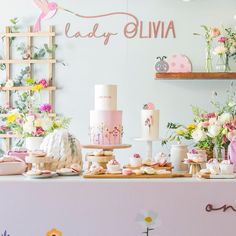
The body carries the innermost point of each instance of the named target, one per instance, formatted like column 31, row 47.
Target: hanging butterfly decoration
column 162, row 66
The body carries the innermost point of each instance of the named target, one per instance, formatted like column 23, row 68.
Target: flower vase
column 227, row 66
column 178, row 154
column 220, row 64
column 219, row 153
column 33, row 143
column 208, row 57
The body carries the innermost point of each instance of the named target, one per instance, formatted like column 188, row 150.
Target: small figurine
column 162, row 66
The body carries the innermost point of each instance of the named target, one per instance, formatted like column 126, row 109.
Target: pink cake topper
column 179, row 63
column 48, row 10
column 149, row 106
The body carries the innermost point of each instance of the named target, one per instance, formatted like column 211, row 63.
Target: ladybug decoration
column 162, row 65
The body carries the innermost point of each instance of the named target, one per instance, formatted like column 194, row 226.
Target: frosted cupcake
column 136, row 161
column 213, row 166
column 113, row 166
column 226, row 167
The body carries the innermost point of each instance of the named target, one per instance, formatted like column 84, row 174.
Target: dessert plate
column 44, row 176
column 68, row 173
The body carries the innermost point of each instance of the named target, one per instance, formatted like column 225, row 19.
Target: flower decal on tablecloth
column 5, row 233
column 54, row 232
column 148, row 220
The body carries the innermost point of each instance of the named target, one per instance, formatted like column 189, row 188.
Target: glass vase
column 219, row 152
column 208, row 57
column 220, row 64
column 227, row 66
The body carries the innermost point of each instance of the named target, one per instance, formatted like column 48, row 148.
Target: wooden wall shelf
column 28, row 34
column 31, row 61
column 50, row 115
column 22, row 88
column 9, row 136
column 196, row 76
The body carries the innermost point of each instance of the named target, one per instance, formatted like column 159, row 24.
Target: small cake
column 148, row 170
column 197, row 156
column 96, row 169
column 213, row 166
column 226, row 167
column 162, row 159
column 136, row 161
column 108, row 153
column 138, row 172
column 76, row 167
column 113, row 166
column 98, row 153
column 127, row 171
column 149, row 122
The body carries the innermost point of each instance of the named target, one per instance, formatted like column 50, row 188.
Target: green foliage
column 21, row 78
column 38, row 53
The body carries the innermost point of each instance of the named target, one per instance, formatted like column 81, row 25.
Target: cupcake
column 136, row 161
column 226, row 167
column 96, row 169
column 213, row 166
column 113, row 166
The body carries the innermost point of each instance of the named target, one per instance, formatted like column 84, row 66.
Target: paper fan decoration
column 179, row 63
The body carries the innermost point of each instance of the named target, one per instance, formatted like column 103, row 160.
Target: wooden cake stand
column 102, row 160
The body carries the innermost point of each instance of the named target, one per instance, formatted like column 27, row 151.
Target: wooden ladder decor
column 9, row 62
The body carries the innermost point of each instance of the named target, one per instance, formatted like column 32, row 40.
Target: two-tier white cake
column 105, row 121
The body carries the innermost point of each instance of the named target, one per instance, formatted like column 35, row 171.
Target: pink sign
column 135, row 28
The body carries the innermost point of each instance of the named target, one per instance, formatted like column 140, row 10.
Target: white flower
column 28, row 127
column 214, row 130
column 30, row 118
column 232, row 50
column 198, row 135
column 147, row 219
column 46, row 123
column 212, row 121
column 220, row 50
column 9, row 84
column 225, row 118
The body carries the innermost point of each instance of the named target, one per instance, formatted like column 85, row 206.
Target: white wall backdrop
column 129, row 63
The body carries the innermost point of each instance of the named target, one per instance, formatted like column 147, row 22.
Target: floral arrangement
column 225, row 48
column 210, row 129
column 34, row 125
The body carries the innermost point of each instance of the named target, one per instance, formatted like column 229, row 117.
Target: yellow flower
column 180, row 132
column 37, row 87
column 148, row 219
column 54, row 232
column 11, row 118
column 191, row 126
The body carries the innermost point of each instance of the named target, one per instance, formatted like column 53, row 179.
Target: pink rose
column 39, row 132
column 222, row 39
column 136, row 155
column 45, row 107
column 44, row 83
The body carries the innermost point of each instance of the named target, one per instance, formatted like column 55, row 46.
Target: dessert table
column 104, row 207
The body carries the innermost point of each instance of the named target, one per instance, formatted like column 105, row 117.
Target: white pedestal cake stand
column 149, row 143
column 102, row 160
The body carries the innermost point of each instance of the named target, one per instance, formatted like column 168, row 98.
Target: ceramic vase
column 178, row 154
column 33, row 143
